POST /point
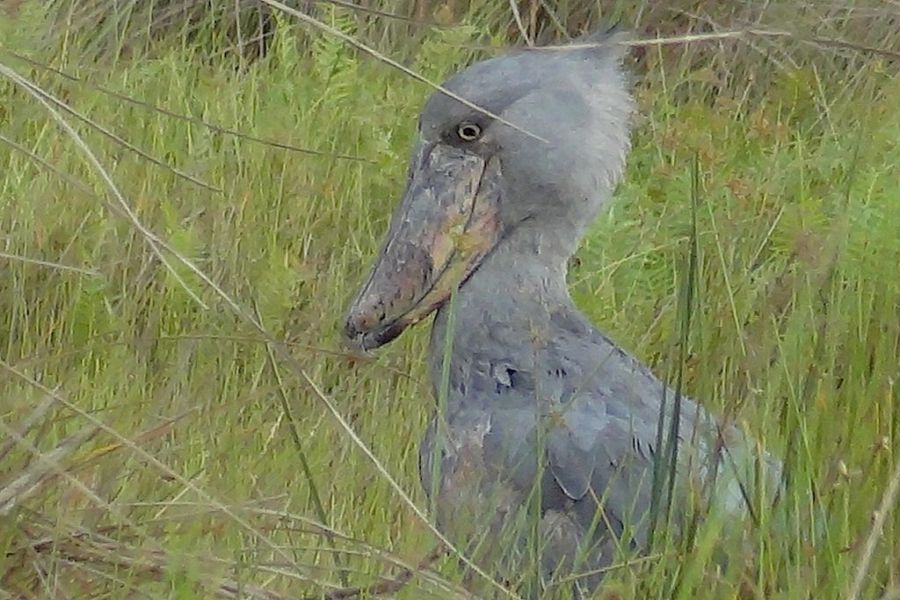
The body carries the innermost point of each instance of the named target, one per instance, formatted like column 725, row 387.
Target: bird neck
column 529, row 263
column 507, row 305
column 523, row 277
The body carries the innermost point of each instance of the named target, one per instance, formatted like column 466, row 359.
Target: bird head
column 537, row 136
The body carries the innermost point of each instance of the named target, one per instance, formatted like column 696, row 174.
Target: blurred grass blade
column 888, row 503
column 389, row 61
column 187, row 118
column 45, row 466
column 156, row 244
column 143, row 454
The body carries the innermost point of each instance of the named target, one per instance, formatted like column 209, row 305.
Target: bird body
column 551, row 444
column 545, row 416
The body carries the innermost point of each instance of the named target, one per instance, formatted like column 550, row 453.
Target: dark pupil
column 469, row 131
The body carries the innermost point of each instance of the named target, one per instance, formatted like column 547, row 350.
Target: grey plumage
column 546, row 421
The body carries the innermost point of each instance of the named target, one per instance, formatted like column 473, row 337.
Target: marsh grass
column 153, row 442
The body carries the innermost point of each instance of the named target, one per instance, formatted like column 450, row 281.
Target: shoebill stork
column 543, row 455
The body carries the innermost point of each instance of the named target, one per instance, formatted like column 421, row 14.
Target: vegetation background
column 184, row 182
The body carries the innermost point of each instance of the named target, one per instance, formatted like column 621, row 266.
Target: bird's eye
column 468, row 132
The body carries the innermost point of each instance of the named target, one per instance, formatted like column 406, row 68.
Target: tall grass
column 152, row 442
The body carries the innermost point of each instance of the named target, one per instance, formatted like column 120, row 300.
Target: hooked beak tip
column 354, row 333
column 364, row 337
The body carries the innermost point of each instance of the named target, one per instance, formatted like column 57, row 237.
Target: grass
column 153, row 443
